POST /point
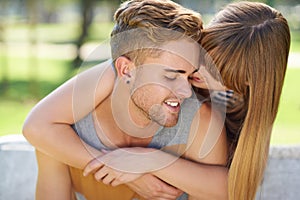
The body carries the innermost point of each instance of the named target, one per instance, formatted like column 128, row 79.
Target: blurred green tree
column 4, row 65
column 87, row 15
column 32, row 6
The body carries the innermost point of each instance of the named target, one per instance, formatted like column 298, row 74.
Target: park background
column 43, row 43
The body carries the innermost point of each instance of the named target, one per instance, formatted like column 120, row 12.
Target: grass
column 13, row 114
column 15, row 106
column 289, row 112
column 21, row 94
column 287, row 124
column 27, row 87
column 295, row 37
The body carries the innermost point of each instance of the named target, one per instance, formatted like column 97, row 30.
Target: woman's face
column 203, row 79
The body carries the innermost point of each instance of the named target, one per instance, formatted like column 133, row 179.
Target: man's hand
column 150, row 187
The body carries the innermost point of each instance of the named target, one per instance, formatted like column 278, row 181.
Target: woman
column 249, row 44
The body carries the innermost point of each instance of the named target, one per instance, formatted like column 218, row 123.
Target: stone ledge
column 18, row 168
column 19, row 171
column 292, row 152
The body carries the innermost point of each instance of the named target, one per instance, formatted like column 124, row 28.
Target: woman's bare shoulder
column 207, row 140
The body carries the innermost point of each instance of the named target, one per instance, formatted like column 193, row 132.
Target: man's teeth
column 173, row 104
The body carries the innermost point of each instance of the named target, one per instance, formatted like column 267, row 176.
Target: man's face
column 160, row 86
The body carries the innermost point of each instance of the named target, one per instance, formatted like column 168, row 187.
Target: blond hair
column 156, row 22
column 249, row 44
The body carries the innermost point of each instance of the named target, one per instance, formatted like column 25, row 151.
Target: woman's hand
column 150, row 187
column 108, row 175
column 131, row 166
column 113, row 177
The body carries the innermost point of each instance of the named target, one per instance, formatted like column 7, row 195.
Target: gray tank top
column 165, row 136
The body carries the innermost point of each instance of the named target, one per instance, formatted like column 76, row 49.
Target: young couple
column 133, row 128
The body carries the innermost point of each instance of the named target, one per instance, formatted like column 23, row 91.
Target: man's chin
column 166, row 120
column 168, row 123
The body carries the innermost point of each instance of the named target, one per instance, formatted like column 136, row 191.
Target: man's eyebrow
column 179, row 71
column 176, row 71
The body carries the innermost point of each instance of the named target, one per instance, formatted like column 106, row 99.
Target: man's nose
column 184, row 89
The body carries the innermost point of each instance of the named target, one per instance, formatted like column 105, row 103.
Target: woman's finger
column 92, row 166
column 101, row 173
column 108, row 178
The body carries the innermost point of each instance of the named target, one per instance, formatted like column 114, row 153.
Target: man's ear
column 123, row 66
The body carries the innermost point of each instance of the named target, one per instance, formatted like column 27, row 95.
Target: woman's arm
column 199, row 181
column 200, row 172
column 47, row 126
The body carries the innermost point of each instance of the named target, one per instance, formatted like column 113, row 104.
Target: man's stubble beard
column 156, row 114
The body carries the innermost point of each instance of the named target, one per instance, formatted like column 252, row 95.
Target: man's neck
column 114, row 129
column 127, row 116
column 131, row 120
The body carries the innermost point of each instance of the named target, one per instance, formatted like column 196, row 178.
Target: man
column 154, row 56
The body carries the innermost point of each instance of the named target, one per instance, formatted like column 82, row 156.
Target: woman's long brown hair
column 249, row 44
